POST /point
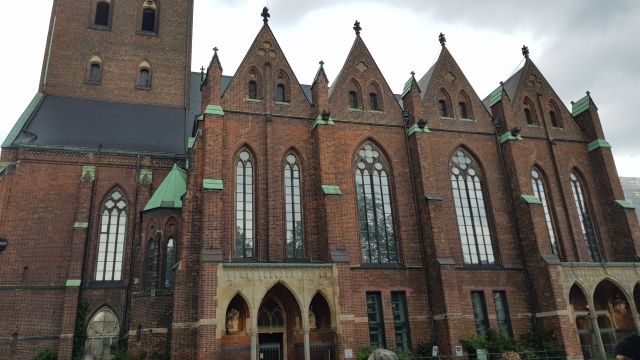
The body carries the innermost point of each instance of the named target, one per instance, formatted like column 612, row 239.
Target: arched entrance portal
column 280, row 334
column 580, row 308
column 321, row 334
column 613, row 313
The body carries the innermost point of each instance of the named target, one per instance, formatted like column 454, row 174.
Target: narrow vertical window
column 144, row 75
column 150, row 274
column 244, row 206
column 373, row 101
column 463, row 110
column 280, row 93
column 94, row 73
column 529, row 114
column 375, row 217
column 253, row 90
column 293, row 208
column 555, row 115
column 468, row 196
column 444, row 108
column 502, row 313
column 353, row 100
column 102, row 14
column 554, row 118
column 541, row 194
column 376, row 320
column 113, row 223
column 401, row 320
column 169, row 264
column 480, row 312
column 149, row 16
column 584, row 216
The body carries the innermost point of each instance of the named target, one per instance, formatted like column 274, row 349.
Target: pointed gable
column 277, row 88
column 169, row 193
column 448, row 99
column 360, row 77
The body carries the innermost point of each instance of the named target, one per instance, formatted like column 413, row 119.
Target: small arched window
column 355, row 95
column 473, row 222
column 94, row 75
column 463, row 110
column 150, row 274
column 253, row 90
column 144, row 75
column 169, row 264
column 464, row 106
column 293, row 208
column 113, row 224
column 102, row 14
column 444, row 104
column 554, row 115
column 375, row 214
column 244, row 234
column 373, row 101
column 102, row 335
column 539, row 191
column 280, row 93
column 444, row 108
column 584, row 217
column 149, row 16
column 529, row 113
column 353, row 100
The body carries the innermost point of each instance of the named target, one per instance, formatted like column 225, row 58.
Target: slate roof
column 424, row 81
column 510, row 86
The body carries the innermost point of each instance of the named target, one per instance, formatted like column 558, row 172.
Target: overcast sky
column 578, row 45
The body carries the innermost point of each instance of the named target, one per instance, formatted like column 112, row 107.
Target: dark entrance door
column 270, row 347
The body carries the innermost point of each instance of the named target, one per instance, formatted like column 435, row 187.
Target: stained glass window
column 112, row 237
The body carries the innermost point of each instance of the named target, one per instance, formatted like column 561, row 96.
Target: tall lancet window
column 293, row 208
column 468, row 196
column 541, row 194
column 584, row 216
column 113, row 224
column 244, row 206
column 375, row 217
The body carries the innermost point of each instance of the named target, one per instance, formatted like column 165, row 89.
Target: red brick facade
column 53, row 201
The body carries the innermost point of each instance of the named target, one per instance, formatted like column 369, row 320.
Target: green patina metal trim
column 356, row 109
column 446, row 118
column 22, row 120
column 376, row 111
column 495, row 96
column 214, row 110
column 533, row 125
column 169, row 193
column 467, row 120
column 145, row 174
column 600, row 143
column 89, row 171
column 252, row 100
column 407, row 87
column 73, row 283
column 331, row 190
column 283, row 103
column 80, row 225
column 416, row 129
column 191, row 142
column 201, row 117
column 581, row 106
column 625, row 204
column 507, row 136
column 213, row 184
column 320, row 121
column 530, row 199
column 3, row 166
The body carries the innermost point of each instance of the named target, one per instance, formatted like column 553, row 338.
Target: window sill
column 100, row 27
column 366, row 266
column 252, row 100
column 533, row 125
column 481, row 267
column 376, row 111
column 355, row 109
column 467, row 120
column 147, row 33
column 559, row 128
column 446, row 118
column 95, row 284
column 143, row 87
column 94, row 83
column 282, row 103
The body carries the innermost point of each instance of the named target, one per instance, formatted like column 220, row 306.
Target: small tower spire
column 357, row 27
column 525, row 51
column 442, row 39
column 265, row 15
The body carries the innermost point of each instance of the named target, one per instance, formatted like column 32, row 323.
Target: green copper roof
column 530, row 199
column 580, row 106
column 495, row 96
column 169, row 194
column 600, row 143
column 407, row 86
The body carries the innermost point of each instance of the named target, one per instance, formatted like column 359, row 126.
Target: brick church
column 207, row 216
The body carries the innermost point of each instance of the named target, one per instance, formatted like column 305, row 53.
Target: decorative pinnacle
column 202, row 70
column 265, row 14
column 588, row 93
column 442, row 39
column 357, row 27
column 525, row 51
column 215, row 50
column 321, row 63
column 413, row 73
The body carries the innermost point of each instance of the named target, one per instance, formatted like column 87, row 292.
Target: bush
column 363, row 354
column 472, row 343
column 497, row 343
column 404, row 354
column 47, row 354
column 424, row 349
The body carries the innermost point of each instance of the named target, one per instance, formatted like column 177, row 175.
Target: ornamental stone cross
column 357, row 27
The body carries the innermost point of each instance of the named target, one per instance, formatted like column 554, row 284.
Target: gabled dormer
column 447, row 98
column 535, row 107
column 360, row 92
column 264, row 82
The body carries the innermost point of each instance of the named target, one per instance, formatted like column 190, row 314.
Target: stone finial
column 215, row 50
column 321, row 63
column 588, row 93
column 442, row 39
column 265, row 14
column 357, row 27
column 525, row 51
column 413, row 73
column 202, row 73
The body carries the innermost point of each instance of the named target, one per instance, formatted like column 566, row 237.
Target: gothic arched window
column 150, row 265
column 144, row 75
column 253, row 90
column 280, row 93
column 244, row 206
column 94, row 75
column 529, row 113
column 112, row 237
column 539, row 192
column 584, row 216
column 149, row 17
column 169, row 263
column 102, row 335
column 375, row 217
column 293, row 208
column 468, row 196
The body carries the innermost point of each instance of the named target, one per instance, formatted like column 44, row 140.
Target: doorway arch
column 279, row 324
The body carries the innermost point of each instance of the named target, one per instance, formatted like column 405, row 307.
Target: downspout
column 430, row 315
column 135, row 230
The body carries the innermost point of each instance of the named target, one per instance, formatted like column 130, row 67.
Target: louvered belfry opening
column 102, row 14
